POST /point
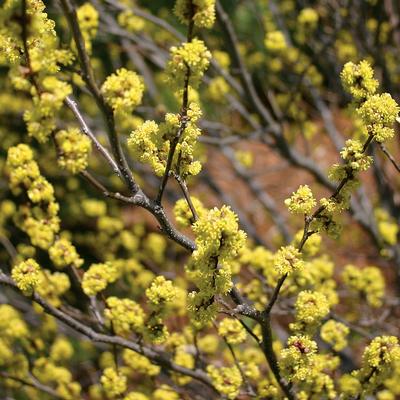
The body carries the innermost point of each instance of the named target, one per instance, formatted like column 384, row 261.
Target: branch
column 72, row 105
column 32, row 383
column 389, row 156
column 183, row 117
column 155, row 356
column 88, row 77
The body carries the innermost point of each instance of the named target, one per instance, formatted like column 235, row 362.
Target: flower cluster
column 150, row 142
column 137, row 362
column 49, row 373
column 39, row 219
column 227, row 380
column 202, row 12
column 74, row 148
column 35, row 72
column 358, row 79
column 297, row 359
column 26, row 275
column 52, row 286
column 387, row 226
column 41, row 119
column 287, row 260
column 160, row 292
column 114, row 383
column 302, row 201
column 354, row 156
column 379, row 113
column 311, row 308
column 378, row 362
column 232, row 330
column 188, row 61
column 123, row 90
column 131, row 22
column 124, row 315
column 335, row 333
column 218, row 240
column 183, row 213
column 97, row 277
column 88, row 19
column 308, row 18
column 368, row 282
column 62, row 253
column 275, row 42
column 12, row 326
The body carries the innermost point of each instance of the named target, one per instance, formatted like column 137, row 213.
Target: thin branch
column 158, row 357
column 32, row 383
column 183, row 117
column 389, row 156
column 89, row 78
column 185, row 191
column 73, row 106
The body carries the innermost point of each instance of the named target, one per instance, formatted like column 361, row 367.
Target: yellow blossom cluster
column 74, row 148
column 368, row 282
column 40, row 218
column 232, row 330
column 123, row 90
column 187, row 62
column 202, row 12
column 124, row 315
column 227, row 380
column 150, row 143
column 97, row 277
column 218, row 240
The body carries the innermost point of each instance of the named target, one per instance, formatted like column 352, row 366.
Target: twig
column 183, row 117
column 32, row 383
column 88, row 77
column 156, row 356
column 389, row 156
column 72, row 105
column 185, row 191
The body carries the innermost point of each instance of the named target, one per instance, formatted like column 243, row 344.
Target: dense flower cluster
column 275, row 41
column 335, row 333
column 150, row 142
column 366, row 282
column 139, row 363
column 358, row 79
column 379, row 113
column 202, row 12
column 62, row 253
column 187, row 62
column 232, row 330
column 123, row 90
column 97, row 277
column 183, row 213
column 26, row 275
column 311, row 308
column 302, row 201
column 74, row 148
column 287, row 260
column 40, row 218
column 114, row 383
column 227, row 380
column 378, row 362
column 218, row 240
column 297, row 359
column 88, row 19
column 124, row 315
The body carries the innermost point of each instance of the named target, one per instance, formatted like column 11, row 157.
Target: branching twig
column 158, row 357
